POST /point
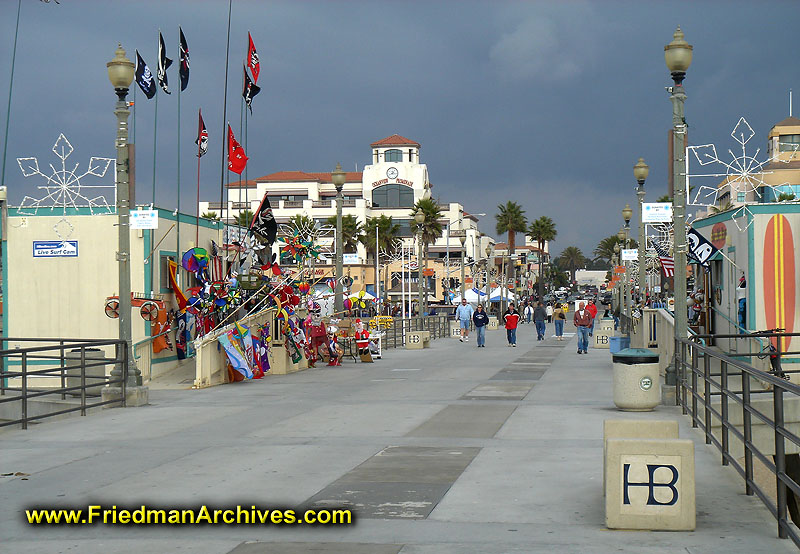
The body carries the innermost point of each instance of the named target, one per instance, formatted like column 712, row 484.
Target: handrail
column 698, row 386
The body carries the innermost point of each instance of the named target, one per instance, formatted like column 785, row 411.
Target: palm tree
column 244, row 218
column 542, row 230
column 209, row 215
column 572, row 258
column 388, row 233
column 352, row 232
column 665, row 198
column 786, row 197
column 724, row 208
column 605, row 248
column 510, row 219
column 430, row 228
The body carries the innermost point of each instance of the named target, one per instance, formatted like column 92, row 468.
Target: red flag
column 252, row 59
column 202, row 137
column 236, row 157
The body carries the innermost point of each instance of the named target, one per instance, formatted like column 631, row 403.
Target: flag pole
column 225, row 115
column 242, row 115
column 197, row 205
column 178, row 210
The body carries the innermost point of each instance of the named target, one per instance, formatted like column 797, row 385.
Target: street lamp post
column 678, row 56
column 640, row 172
column 419, row 217
column 488, row 277
column 615, row 263
column 338, row 178
column 463, row 258
column 120, row 73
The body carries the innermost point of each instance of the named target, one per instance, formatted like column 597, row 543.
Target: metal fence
column 394, row 334
column 719, row 391
column 50, row 368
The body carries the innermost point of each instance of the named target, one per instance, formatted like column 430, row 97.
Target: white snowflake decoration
column 323, row 236
column 743, row 173
column 63, row 187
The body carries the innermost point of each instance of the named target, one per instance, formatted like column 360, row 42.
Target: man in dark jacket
column 539, row 318
column 480, row 318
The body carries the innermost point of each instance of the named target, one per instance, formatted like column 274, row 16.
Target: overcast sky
column 542, row 102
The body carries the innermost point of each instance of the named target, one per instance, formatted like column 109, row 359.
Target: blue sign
column 55, row 249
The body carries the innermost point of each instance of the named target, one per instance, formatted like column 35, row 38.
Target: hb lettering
column 651, row 484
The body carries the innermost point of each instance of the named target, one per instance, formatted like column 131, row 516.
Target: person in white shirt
column 464, row 314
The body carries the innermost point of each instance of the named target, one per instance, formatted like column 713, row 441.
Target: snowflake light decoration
column 63, row 186
column 743, row 173
column 323, row 237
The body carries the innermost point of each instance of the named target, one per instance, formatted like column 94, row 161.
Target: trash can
column 95, row 374
column 637, row 387
column 493, row 323
column 617, row 344
column 455, row 329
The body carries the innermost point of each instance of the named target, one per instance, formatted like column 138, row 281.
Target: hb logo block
column 601, row 339
column 650, row 484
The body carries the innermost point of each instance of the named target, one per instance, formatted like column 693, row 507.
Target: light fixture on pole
column 338, row 177
column 678, row 56
column 622, row 236
column 488, row 276
column 419, row 217
column 463, row 259
column 615, row 263
column 120, row 73
column 447, row 255
column 640, row 172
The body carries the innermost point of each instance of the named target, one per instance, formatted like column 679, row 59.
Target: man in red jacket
column 511, row 318
column 582, row 321
column 592, row 309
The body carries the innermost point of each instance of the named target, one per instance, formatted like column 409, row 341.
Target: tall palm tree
column 604, row 250
column 352, row 231
column 510, row 219
column 542, row 230
column 572, row 258
column 244, row 218
column 430, row 228
column 388, row 233
column 723, row 208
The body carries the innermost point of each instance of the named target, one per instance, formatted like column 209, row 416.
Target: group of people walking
column 583, row 319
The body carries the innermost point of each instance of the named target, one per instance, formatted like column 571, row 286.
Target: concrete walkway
column 448, row 450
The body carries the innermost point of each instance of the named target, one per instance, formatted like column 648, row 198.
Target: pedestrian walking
column 511, row 319
column 539, row 318
column 550, row 311
column 582, row 319
column 559, row 318
column 481, row 319
column 592, row 309
column 528, row 312
column 464, row 316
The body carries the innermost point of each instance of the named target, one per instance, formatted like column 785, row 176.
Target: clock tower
column 395, row 179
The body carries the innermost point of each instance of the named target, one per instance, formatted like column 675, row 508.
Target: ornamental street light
column 338, row 177
column 447, row 246
column 615, row 262
column 120, row 73
column 463, row 258
column 488, row 277
column 419, row 217
column 640, row 172
column 678, row 56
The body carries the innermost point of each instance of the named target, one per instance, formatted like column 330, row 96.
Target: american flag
column 667, row 263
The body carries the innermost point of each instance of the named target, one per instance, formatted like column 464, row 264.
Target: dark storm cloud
column 546, row 103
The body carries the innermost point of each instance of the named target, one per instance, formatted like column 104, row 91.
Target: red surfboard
column 779, row 277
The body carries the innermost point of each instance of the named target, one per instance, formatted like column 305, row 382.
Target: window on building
column 741, row 196
column 789, row 143
column 393, row 156
column 163, row 271
column 393, row 196
column 288, row 197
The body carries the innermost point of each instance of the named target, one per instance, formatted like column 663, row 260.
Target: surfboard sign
column 779, row 278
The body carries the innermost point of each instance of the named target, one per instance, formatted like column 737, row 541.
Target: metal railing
column 143, row 355
column 60, row 363
column 394, row 334
column 709, row 395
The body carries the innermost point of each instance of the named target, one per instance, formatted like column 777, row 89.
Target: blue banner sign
column 55, row 249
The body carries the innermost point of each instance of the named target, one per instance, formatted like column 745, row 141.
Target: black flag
column 250, row 90
column 264, row 227
column 184, row 70
column 144, row 78
column 202, row 137
column 163, row 64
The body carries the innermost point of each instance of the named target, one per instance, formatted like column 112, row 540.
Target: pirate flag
column 163, row 64
column 144, row 78
column 202, row 136
column 264, row 227
column 250, row 90
column 184, row 69
column 252, row 59
column 237, row 159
